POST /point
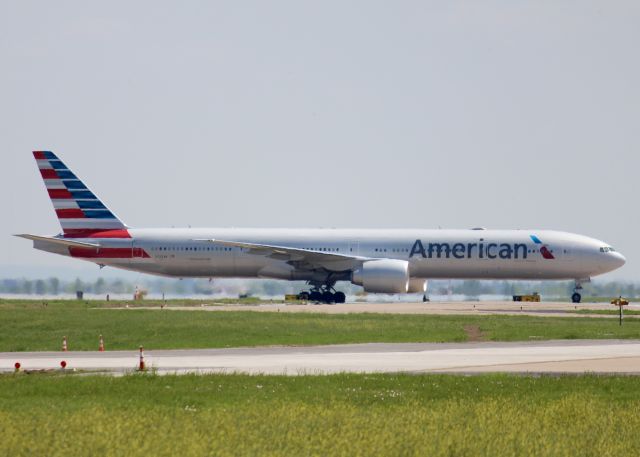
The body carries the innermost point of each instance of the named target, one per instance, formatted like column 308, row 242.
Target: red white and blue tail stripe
column 80, row 212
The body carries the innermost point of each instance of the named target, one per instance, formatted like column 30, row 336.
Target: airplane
column 388, row 261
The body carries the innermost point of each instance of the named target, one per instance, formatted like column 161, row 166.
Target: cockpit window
column 607, row 249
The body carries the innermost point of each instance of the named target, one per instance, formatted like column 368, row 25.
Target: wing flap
column 301, row 258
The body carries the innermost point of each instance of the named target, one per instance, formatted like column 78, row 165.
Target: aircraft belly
column 201, row 266
column 248, row 266
column 219, row 266
column 479, row 269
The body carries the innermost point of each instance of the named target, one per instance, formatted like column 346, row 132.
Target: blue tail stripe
column 85, row 194
column 90, row 204
column 97, row 214
column 57, row 165
column 74, row 185
column 65, row 174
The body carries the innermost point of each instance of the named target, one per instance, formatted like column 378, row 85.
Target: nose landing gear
column 577, row 296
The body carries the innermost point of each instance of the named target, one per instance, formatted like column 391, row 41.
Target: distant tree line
column 265, row 287
column 55, row 286
column 474, row 288
column 175, row 287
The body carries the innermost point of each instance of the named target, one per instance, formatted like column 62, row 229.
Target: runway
column 566, row 356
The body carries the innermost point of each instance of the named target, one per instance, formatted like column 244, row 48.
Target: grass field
column 27, row 326
column 350, row 415
column 607, row 312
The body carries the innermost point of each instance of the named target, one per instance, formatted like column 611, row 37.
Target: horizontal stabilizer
column 60, row 241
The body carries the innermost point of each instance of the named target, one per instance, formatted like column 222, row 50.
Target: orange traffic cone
column 64, row 343
column 101, row 345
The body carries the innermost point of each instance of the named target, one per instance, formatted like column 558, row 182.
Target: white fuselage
column 452, row 254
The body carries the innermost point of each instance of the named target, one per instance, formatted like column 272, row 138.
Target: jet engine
column 384, row 276
column 417, row 286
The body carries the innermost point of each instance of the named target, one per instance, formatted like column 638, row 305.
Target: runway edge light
column 141, row 362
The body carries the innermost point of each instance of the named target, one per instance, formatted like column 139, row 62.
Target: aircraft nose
column 618, row 259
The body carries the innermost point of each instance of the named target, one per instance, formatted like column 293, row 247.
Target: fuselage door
column 353, row 247
column 137, row 252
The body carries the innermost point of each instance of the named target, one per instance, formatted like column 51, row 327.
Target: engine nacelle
column 417, row 286
column 384, row 276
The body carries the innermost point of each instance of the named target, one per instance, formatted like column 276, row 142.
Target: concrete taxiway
column 544, row 309
column 580, row 356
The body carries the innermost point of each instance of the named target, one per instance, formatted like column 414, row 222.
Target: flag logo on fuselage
column 544, row 250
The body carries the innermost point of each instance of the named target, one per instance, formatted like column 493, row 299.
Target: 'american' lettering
column 468, row 250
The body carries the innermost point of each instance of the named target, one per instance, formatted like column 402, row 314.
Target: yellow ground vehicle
column 534, row 297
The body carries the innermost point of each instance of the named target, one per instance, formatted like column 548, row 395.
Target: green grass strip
column 350, row 415
column 37, row 329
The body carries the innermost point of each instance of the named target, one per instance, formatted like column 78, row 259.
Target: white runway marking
column 552, row 356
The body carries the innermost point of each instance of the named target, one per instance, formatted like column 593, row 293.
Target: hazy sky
column 503, row 114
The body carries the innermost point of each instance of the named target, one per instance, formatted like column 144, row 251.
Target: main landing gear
column 323, row 294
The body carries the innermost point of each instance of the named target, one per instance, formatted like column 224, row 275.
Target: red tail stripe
column 60, row 193
column 39, row 155
column 70, row 213
column 108, row 253
column 49, row 173
column 96, row 233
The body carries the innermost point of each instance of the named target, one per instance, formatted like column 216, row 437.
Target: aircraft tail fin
column 80, row 212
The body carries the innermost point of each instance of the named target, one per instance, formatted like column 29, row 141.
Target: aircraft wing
column 60, row 241
column 300, row 258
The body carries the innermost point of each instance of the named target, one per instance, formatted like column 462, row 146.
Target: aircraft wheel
column 340, row 297
column 315, row 296
column 576, row 297
column 328, row 297
column 304, row 296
